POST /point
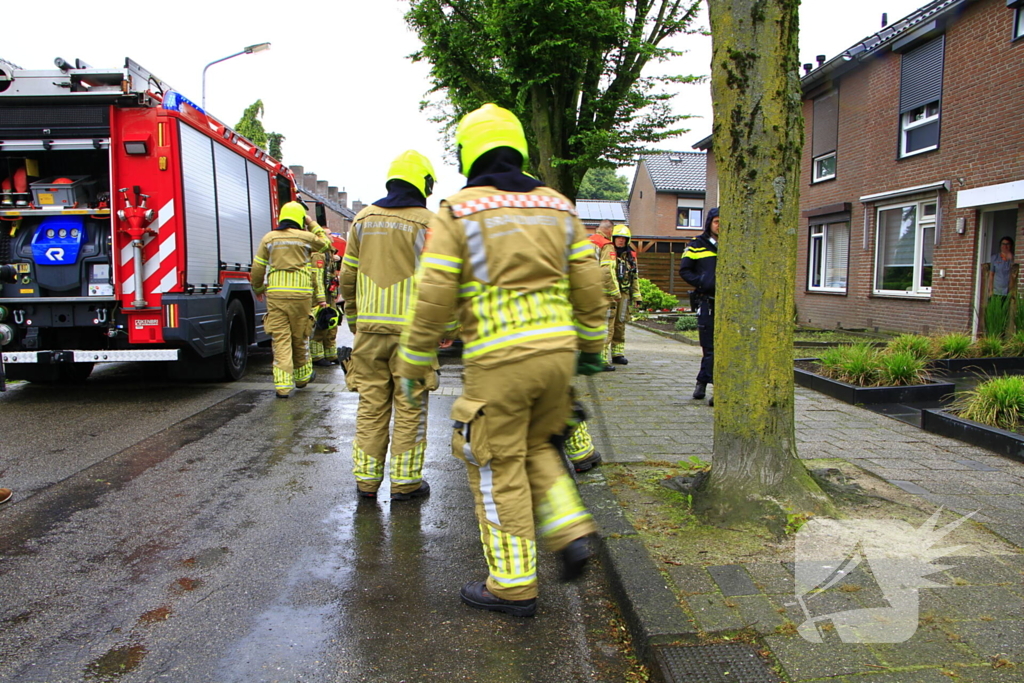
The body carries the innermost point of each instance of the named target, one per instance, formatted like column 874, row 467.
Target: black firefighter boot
column 699, row 390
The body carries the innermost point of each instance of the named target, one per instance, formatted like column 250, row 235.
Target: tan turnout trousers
column 374, row 360
column 289, row 325
column 521, row 487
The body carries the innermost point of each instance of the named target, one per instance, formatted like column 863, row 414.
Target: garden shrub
column 1015, row 346
column 998, row 403
column 854, row 363
column 654, row 298
column 915, row 344
column 954, row 345
column 997, row 316
column 686, row 323
column 989, row 346
column 898, row 368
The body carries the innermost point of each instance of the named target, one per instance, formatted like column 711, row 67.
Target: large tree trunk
column 547, row 118
column 756, row 475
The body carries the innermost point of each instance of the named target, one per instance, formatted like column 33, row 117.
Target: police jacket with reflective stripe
column 384, row 247
column 520, row 270
column 697, row 266
column 283, row 261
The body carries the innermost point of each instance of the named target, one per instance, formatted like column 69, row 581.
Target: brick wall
column 981, row 143
column 653, row 213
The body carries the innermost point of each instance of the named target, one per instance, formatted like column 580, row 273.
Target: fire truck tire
column 236, row 355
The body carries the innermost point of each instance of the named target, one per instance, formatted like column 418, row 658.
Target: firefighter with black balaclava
column 377, row 283
column 629, row 289
column 698, row 269
column 515, row 260
column 323, row 345
column 281, row 268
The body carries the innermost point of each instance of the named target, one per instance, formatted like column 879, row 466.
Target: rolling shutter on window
column 921, row 75
column 826, row 124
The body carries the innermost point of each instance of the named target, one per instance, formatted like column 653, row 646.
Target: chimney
column 321, row 187
column 332, row 194
column 358, row 206
column 885, row 19
column 343, row 199
column 309, row 182
column 807, row 68
column 297, row 171
column 821, row 60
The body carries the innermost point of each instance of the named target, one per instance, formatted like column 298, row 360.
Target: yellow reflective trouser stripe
column 282, row 381
column 365, row 467
column 584, row 332
column 316, row 349
column 561, row 507
column 303, row 373
column 698, row 253
column 407, row 467
column 511, row 560
column 618, row 349
column 579, row 444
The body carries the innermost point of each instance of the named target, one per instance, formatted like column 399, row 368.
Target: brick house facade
column 667, row 196
column 913, row 170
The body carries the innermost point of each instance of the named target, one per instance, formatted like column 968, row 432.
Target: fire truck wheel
column 236, row 356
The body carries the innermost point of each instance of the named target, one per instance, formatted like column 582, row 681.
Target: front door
column 996, row 223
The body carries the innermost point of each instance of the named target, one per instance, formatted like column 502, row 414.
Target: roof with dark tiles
column 677, row 171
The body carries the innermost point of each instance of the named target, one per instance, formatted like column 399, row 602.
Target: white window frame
column 907, row 125
column 821, row 237
column 814, row 168
column 922, row 224
column 1018, row 23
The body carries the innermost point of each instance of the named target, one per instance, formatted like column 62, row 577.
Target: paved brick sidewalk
column 970, row 631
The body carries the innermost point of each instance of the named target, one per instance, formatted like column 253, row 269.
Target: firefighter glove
column 589, row 363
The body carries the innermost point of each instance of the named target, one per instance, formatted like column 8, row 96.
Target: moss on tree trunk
column 758, row 138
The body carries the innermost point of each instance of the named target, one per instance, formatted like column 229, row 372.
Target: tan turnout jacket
column 377, row 270
column 521, row 272
column 282, row 267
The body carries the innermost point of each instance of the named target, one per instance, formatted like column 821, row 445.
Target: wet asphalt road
column 191, row 532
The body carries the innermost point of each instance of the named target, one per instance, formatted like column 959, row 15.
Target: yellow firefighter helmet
column 415, row 169
column 487, row 128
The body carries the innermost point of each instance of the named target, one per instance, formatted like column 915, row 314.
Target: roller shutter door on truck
column 262, row 221
column 200, row 207
column 232, row 209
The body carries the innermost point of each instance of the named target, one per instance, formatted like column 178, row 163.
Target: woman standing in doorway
column 1002, row 265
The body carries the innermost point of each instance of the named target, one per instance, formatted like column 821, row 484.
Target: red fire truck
column 128, row 222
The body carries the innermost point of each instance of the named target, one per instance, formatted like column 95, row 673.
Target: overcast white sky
column 336, row 80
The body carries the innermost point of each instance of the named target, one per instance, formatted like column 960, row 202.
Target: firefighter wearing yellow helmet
column 384, row 247
column 627, row 278
column 513, row 258
column 281, row 269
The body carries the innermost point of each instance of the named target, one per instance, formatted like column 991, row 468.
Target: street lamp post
column 258, row 47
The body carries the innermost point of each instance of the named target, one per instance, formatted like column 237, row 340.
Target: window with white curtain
column 829, row 252
column 903, row 250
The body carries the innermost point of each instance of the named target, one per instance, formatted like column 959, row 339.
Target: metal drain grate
column 727, row 663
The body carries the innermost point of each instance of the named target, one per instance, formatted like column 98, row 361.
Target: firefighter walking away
column 377, row 283
column 282, row 270
column 515, row 259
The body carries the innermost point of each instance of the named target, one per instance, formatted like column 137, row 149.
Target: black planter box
column 994, row 439
column 988, row 366
column 848, row 393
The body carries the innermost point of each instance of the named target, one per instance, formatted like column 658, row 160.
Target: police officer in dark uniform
column 698, row 269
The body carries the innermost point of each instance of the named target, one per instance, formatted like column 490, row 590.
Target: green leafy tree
column 274, row 141
column 758, row 137
column 571, row 70
column 250, row 125
column 603, row 183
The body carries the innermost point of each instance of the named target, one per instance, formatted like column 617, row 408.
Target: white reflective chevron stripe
column 166, row 214
column 150, row 267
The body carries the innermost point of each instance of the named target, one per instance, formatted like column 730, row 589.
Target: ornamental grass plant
column 998, row 403
column 954, row 345
column 988, row 347
column 1015, row 345
column 914, row 344
column 853, row 363
column 997, row 315
column 899, row 368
